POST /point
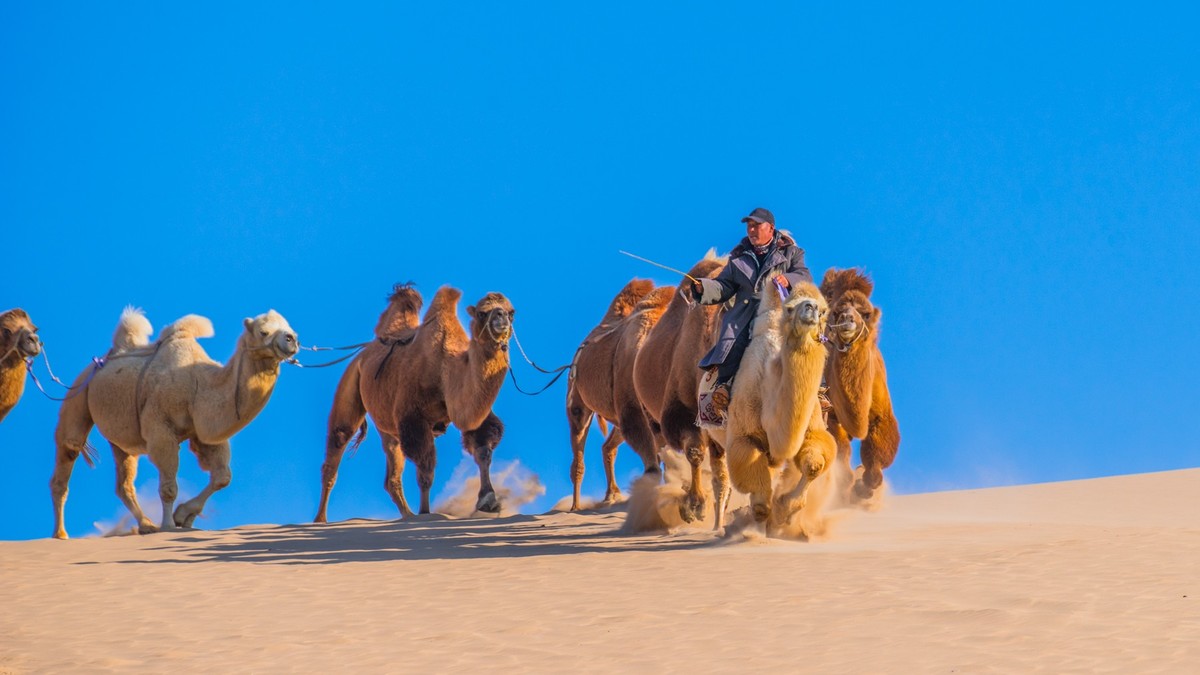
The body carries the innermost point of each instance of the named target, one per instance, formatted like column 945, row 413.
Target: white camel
column 148, row 398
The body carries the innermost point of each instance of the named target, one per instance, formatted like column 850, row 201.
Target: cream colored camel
column 18, row 341
column 666, row 377
column 413, row 380
column 857, row 379
column 774, row 415
column 147, row 399
column 602, row 378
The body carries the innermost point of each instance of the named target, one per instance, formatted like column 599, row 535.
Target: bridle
column 844, row 347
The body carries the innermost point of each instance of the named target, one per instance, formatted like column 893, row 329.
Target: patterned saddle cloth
column 707, row 416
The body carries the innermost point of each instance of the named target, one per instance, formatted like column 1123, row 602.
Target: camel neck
column 241, row 389
column 473, row 381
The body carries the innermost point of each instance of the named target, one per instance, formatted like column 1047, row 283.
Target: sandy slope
column 1098, row 575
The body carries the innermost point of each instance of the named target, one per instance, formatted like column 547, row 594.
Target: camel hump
column 133, row 329
column 838, row 282
column 191, row 326
column 403, row 313
column 444, row 305
column 628, row 298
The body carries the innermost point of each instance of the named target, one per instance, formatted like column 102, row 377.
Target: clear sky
column 1022, row 181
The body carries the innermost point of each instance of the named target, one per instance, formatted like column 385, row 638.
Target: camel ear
column 873, row 319
column 248, row 323
column 471, row 311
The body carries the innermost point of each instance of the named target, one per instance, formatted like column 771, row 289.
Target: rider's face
column 759, row 233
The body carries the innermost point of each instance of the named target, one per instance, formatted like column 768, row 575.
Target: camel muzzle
column 808, row 312
column 29, row 345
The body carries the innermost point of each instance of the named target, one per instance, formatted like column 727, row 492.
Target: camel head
column 851, row 316
column 491, row 320
column 851, row 311
column 268, row 336
column 801, row 314
column 18, row 335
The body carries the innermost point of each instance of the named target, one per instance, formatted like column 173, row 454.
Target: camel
column 147, row 399
column 414, row 380
column 666, row 377
column 774, row 415
column 602, row 379
column 857, row 379
column 18, row 342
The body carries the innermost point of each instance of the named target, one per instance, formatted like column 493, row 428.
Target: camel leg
column 692, row 506
column 750, row 473
column 347, row 416
column 165, row 455
column 720, row 481
column 70, row 440
column 817, row 452
column 416, row 441
column 638, row 436
column 842, row 439
column 877, row 451
column 480, row 443
column 393, row 480
column 215, row 460
column 609, row 450
column 127, row 466
column 579, row 421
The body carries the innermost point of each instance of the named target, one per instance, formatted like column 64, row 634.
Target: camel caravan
column 745, row 376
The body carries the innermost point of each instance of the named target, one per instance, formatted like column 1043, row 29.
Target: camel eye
column 263, row 333
column 7, row 333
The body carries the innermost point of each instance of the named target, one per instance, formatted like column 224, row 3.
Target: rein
column 357, row 348
column 557, row 372
column 73, row 391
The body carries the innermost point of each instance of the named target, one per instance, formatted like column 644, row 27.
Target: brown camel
column 602, row 378
column 774, row 414
column 147, row 399
column 414, row 380
column 666, row 377
column 857, row 379
column 18, row 341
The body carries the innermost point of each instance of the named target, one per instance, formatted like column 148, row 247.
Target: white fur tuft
column 191, row 326
column 133, row 329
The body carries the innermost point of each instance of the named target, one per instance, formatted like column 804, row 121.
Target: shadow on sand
column 423, row 538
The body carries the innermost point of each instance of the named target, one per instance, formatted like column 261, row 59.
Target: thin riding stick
column 669, row 269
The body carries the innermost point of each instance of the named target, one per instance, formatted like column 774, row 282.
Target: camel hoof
column 488, row 503
column 147, row 529
column 692, row 508
column 761, row 513
column 61, row 534
column 862, row 491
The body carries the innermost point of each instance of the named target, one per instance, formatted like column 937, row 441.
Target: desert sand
column 1097, row 575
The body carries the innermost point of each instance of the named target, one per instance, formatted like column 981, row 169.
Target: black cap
column 760, row 215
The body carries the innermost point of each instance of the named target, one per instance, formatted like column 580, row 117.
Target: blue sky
column 1021, row 181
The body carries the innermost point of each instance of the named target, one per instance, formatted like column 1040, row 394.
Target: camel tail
column 133, row 329
column 191, row 326
column 358, row 438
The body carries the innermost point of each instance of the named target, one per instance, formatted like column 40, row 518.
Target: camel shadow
column 437, row 538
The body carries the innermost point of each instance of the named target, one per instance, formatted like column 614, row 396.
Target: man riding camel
column 762, row 253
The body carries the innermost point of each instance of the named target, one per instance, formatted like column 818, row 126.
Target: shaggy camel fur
column 18, row 341
column 602, row 377
column 414, row 380
column 857, row 379
column 774, row 415
column 666, row 377
column 147, row 399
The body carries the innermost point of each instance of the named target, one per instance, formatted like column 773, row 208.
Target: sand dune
column 1086, row 576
